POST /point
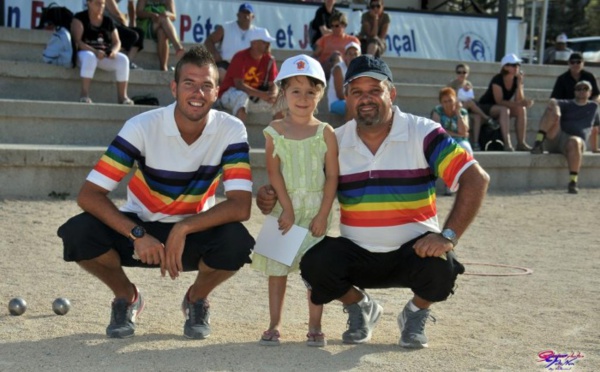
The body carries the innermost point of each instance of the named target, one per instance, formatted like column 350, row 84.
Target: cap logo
column 300, row 65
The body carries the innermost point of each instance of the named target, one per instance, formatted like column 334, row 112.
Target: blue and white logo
column 473, row 47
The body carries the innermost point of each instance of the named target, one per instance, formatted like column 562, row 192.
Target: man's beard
column 371, row 119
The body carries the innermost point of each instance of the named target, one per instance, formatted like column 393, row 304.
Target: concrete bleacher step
column 39, row 170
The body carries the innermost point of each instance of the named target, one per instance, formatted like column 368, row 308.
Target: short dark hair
column 199, row 56
column 340, row 17
column 575, row 56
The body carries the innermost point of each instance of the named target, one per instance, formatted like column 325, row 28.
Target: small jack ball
column 61, row 306
column 17, row 306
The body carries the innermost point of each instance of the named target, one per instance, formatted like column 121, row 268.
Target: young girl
column 302, row 163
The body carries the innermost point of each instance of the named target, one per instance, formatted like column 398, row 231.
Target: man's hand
column 318, row 225
column 266, row 199
column 174, row 251
column 433, row 245
column 149, row 250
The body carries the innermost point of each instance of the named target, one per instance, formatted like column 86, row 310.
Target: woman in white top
column 335, row 88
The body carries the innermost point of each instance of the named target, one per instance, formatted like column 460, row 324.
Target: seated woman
column 453, row 117
column 156, row 18
column 504, row 99
column 335, row 89
column 97, row 42
column 374, row 29
column 330, row 48
column 465, row 94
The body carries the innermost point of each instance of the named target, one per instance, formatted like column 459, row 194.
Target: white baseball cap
column 510, row 59
column 259, row 33
column 301, row 65
column 562, row 38
column 352, row 44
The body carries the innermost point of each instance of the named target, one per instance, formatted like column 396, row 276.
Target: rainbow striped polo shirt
column 174, row 180
column 388, row 198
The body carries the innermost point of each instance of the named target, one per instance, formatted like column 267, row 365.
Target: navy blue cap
column 246, row 7
column 367, row 65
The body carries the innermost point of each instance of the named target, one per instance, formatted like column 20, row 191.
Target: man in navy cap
column 231, row 37
column 390, row 237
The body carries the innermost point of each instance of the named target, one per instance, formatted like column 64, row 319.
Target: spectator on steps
column 566, row 125
column 504, row 99
column 321, row 23
column 231, row 38
column 98, row 45
column 335, row 88
column 132, row 38
column 248, row 85
column 559, row 52
column 564, row 87
column 453, row 117
column 156, row 18
column 466, row 95
column 330, row 48
column 374, row 29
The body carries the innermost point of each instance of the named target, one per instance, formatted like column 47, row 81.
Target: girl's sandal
column 316, row 339
column 270, row 338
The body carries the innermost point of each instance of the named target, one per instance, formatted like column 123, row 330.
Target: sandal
column 270, row 338
column 316, row 339
column 128, row 101
column 85, row 100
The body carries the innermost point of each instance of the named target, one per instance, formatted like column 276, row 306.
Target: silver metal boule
column 17, row 306
column 61, row 306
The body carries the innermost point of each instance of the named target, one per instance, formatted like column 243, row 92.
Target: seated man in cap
column 564, row 88
column 231, row 38
column 335, row 89
column 390, row 237
column 559, row 53
column 567, row 124
column 248, row 85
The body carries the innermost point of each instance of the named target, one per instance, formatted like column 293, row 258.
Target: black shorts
column 225, row 247
column 334, row 265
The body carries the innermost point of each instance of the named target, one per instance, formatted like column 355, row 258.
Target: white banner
column 411, row 34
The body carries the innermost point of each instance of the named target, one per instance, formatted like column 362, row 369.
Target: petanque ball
column 17, row 306
column 61, row 306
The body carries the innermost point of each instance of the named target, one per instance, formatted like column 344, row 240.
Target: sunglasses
column 375, row 6
column 461, row 72
column 575, row 62
column 582, row 89
column 337, row 25
column 512, row 64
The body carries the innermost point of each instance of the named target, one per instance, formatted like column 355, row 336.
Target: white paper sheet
column 281, row 248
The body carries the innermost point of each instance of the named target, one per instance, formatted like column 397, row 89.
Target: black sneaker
column 538, row 148
column 361, row 321
column 123, row 315
column 197, row 318
column 572, row 189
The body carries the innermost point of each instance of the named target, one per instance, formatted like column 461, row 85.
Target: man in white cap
column 231, row 37
column 390, row 237
column 559, row 53
column 335, row 89
column 248, row 85
column 565, row 128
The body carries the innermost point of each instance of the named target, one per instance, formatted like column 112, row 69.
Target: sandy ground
column 491, row 323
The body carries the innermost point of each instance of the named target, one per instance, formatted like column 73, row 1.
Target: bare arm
column 113, row 10
column 116, row 44
column 473, row 186
column 94, row 200
column 462, row 122
column 318, row 225
column 216, row 37
column 240, row 85
column 287, row 218
column 131, row 12
column 170, row 11
column 235, row 208
column 338, row 82
column 384, row 30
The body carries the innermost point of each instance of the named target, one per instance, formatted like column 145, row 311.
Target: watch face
column 138, row 231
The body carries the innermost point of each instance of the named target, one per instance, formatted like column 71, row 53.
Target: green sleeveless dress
column 303, row 169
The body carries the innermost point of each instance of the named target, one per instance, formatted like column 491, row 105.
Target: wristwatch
column 136, row 233
column 450, row 235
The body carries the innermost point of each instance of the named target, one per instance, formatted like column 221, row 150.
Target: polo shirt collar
column 170, row 127
column 398, row 133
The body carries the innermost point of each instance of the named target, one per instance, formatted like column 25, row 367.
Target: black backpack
column 490, row 137
column 59, row 16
